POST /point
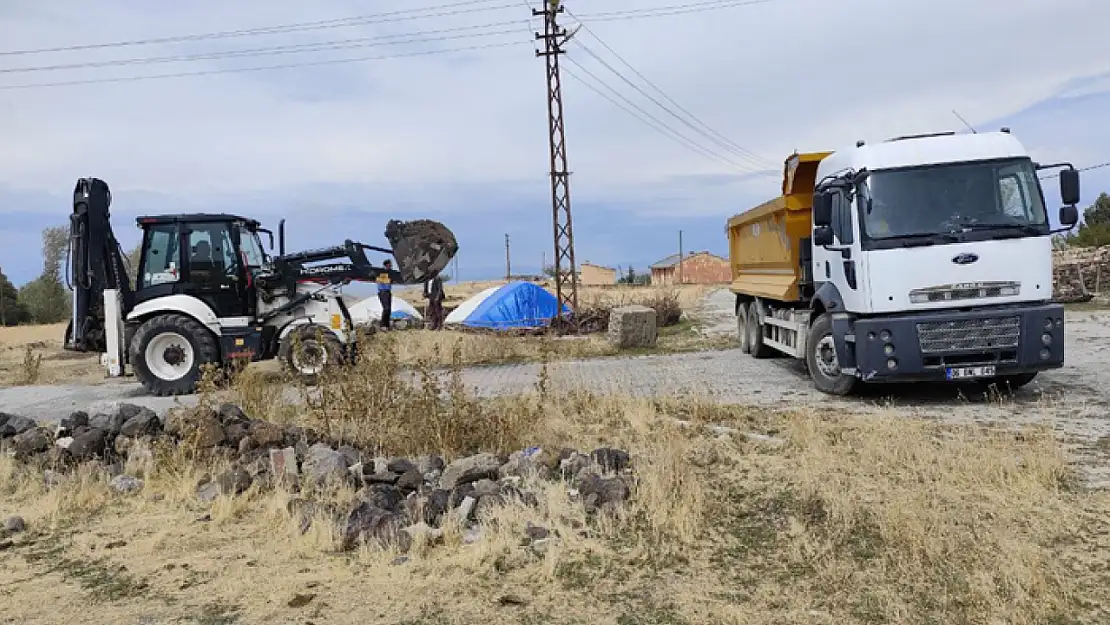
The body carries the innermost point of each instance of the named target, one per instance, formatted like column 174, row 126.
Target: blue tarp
column 514, row 305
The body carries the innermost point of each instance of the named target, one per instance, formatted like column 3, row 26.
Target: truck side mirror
column 822, row 236
column 822, row 209
column 1069, row 215
column 1069, row 186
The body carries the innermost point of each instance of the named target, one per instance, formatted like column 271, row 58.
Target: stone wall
column 1081, row 273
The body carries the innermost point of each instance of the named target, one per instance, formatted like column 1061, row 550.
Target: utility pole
column 566, row 276
column 680, row 257
column 508, row 264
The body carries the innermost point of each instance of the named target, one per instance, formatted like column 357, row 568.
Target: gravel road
column 1074, row 399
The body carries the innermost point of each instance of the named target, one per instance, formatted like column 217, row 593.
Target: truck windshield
column 996, row 197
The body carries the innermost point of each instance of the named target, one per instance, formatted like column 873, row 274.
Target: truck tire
column 168, row 352
column 821, row 360
column 742, row 328
column 755, row 333
column 310, row 350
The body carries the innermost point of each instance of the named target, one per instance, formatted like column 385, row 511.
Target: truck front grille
column 982, row 334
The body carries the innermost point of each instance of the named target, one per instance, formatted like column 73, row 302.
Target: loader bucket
column 423, row 248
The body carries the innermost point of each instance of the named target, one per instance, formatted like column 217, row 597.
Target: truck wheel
column 822, row 362
column 755, row 333
column 742, row 328
column 168, row 351
column 310, row 350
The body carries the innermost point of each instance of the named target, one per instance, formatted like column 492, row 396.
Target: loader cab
column 212, row 257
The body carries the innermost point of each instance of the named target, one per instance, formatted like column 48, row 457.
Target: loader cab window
column 251, row 247
column 159, row 262
column 211, row 254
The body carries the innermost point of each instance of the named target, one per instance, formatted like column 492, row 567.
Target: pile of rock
column 397, row 499
column 1080, row 273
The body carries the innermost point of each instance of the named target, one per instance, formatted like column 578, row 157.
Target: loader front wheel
column 309, row 351
column 168, row 353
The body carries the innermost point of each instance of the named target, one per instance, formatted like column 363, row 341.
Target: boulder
column 470, row 469
column 633, row 326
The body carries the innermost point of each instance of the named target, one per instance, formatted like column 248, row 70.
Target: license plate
column 964, row 373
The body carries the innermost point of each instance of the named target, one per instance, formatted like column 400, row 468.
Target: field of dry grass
column 823, row 518
column 34, row 354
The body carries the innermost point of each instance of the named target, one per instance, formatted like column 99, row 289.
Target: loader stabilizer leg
column 113, row 357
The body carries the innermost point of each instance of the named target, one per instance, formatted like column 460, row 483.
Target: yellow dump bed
column 765, row 242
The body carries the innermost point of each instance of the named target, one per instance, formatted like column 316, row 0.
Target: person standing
column 433, row 292
column 385, row 294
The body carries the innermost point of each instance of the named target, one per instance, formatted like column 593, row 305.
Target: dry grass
column 34, row 354
column 857, row 520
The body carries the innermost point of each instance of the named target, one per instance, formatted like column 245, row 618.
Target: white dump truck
column 920, row 258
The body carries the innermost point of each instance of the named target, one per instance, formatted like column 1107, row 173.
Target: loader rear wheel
column 169, row 351
column 309, row 351
column 821, row 360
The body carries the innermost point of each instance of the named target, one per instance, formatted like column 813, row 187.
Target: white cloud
column 785, row 75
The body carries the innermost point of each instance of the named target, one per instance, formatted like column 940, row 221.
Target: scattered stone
column 283, row 464
column 265, row 434
column 230, row 413
column 6, row 544
column 430, row 466
column 423, row 532
column 64, row 442
column 470, row 469
column 410, row 480
column 486, row 487
column 384, row 496
column 196, row 426
column 466, row 509
column 14, row 524
column 145, row 422
column 352, row 455
column 370, row 524
column 574, row 464
column 322, row 463
column 610, row 459
column 400, row 465
column 531, row 461
column 381, row 477
column 13, row 425
column 88, row 444
column 32, row 441
column 599, row 492
column 235, row 433
column 511, row 599
column 487, row 505
column 633, row 326
column 472, row 535
column 536, row 532
column 110, row 422
column 125, row 484
column 300, row 601
column 230, row 483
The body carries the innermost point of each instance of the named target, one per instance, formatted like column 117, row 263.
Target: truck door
column 842, row 263
column 214, row 268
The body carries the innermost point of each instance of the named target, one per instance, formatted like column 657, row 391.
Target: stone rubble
column 399, row 501
column 1079, row 274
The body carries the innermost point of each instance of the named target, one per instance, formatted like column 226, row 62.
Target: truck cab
column 929, row 258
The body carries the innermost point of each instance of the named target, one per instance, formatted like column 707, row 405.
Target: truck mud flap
column 843, row 329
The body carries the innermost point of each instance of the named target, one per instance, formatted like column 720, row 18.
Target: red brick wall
column 701, row 268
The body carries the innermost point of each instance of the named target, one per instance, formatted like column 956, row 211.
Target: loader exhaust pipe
column 281, row 238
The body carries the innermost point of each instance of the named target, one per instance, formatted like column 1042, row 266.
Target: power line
column 323, row 46
column 652, row 98
column 713, row 135
column 1099, row 166
column 360, row 20
column 658, row 125
column 441, row 10
column 682, row 9
column 238, row 70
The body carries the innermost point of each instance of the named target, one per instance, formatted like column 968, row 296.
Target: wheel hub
column 826, row 357
column 173, row 355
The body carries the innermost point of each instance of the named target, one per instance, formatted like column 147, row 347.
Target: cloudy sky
column 446, row 116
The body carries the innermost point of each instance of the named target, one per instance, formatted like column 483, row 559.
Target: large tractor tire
column 309, row 351
column 168, row 353
column 821, row 360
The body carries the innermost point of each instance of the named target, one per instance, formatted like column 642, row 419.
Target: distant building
column 697, row 268
column 590, row 274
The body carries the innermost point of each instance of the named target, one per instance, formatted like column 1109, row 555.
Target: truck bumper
column 934, row 345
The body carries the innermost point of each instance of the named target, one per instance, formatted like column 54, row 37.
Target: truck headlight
column 891, row 364
column 885, row 335
column 1046, row 339
column 1048, row 323
column 888, row 349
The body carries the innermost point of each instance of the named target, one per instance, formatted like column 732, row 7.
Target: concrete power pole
column 680, row 257
column 566, row 275
column 508, row 264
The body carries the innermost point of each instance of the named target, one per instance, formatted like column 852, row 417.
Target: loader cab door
column 214, row 269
